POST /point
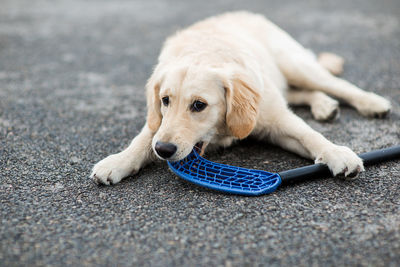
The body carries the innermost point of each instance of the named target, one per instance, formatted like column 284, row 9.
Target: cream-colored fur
column 246, row 70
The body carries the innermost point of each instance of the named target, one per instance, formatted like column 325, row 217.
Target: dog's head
column 188, row 106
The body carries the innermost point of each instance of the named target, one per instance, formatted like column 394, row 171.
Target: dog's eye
column 165, row 100
column 198, row 106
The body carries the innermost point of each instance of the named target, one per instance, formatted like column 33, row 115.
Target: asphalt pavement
column 72, row 75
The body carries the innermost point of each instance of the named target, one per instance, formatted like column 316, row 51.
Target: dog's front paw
column 373, row 105
column 342, row 161
column 112, row 169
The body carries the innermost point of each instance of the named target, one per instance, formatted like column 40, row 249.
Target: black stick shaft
column 321, row 170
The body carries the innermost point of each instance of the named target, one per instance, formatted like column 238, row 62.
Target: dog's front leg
column 292, row 133
column 113, row 168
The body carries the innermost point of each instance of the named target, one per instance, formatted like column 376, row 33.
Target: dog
column 232, row 76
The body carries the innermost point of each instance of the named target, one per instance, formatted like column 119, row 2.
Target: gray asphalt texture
column 72, row 75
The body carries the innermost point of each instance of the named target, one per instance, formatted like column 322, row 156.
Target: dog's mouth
column 199, row 147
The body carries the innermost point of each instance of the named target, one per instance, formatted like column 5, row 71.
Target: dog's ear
column 242, row 101
column 153, row 101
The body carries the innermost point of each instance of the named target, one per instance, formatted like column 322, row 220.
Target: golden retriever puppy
column 232, row 76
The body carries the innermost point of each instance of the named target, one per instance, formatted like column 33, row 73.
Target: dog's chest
column 224, row 141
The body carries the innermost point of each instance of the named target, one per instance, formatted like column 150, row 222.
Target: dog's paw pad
column 372, row 105
column 342, row 162
column 325, row 109
column 382, row 114
column 354, row 174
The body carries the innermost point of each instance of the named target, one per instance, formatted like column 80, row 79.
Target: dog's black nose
column 165, row 150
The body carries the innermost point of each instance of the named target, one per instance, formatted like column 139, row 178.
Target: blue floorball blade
column 229, row 179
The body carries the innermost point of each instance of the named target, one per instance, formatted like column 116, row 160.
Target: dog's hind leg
column 333, row 63
column 323, row 107
column 303, row 71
